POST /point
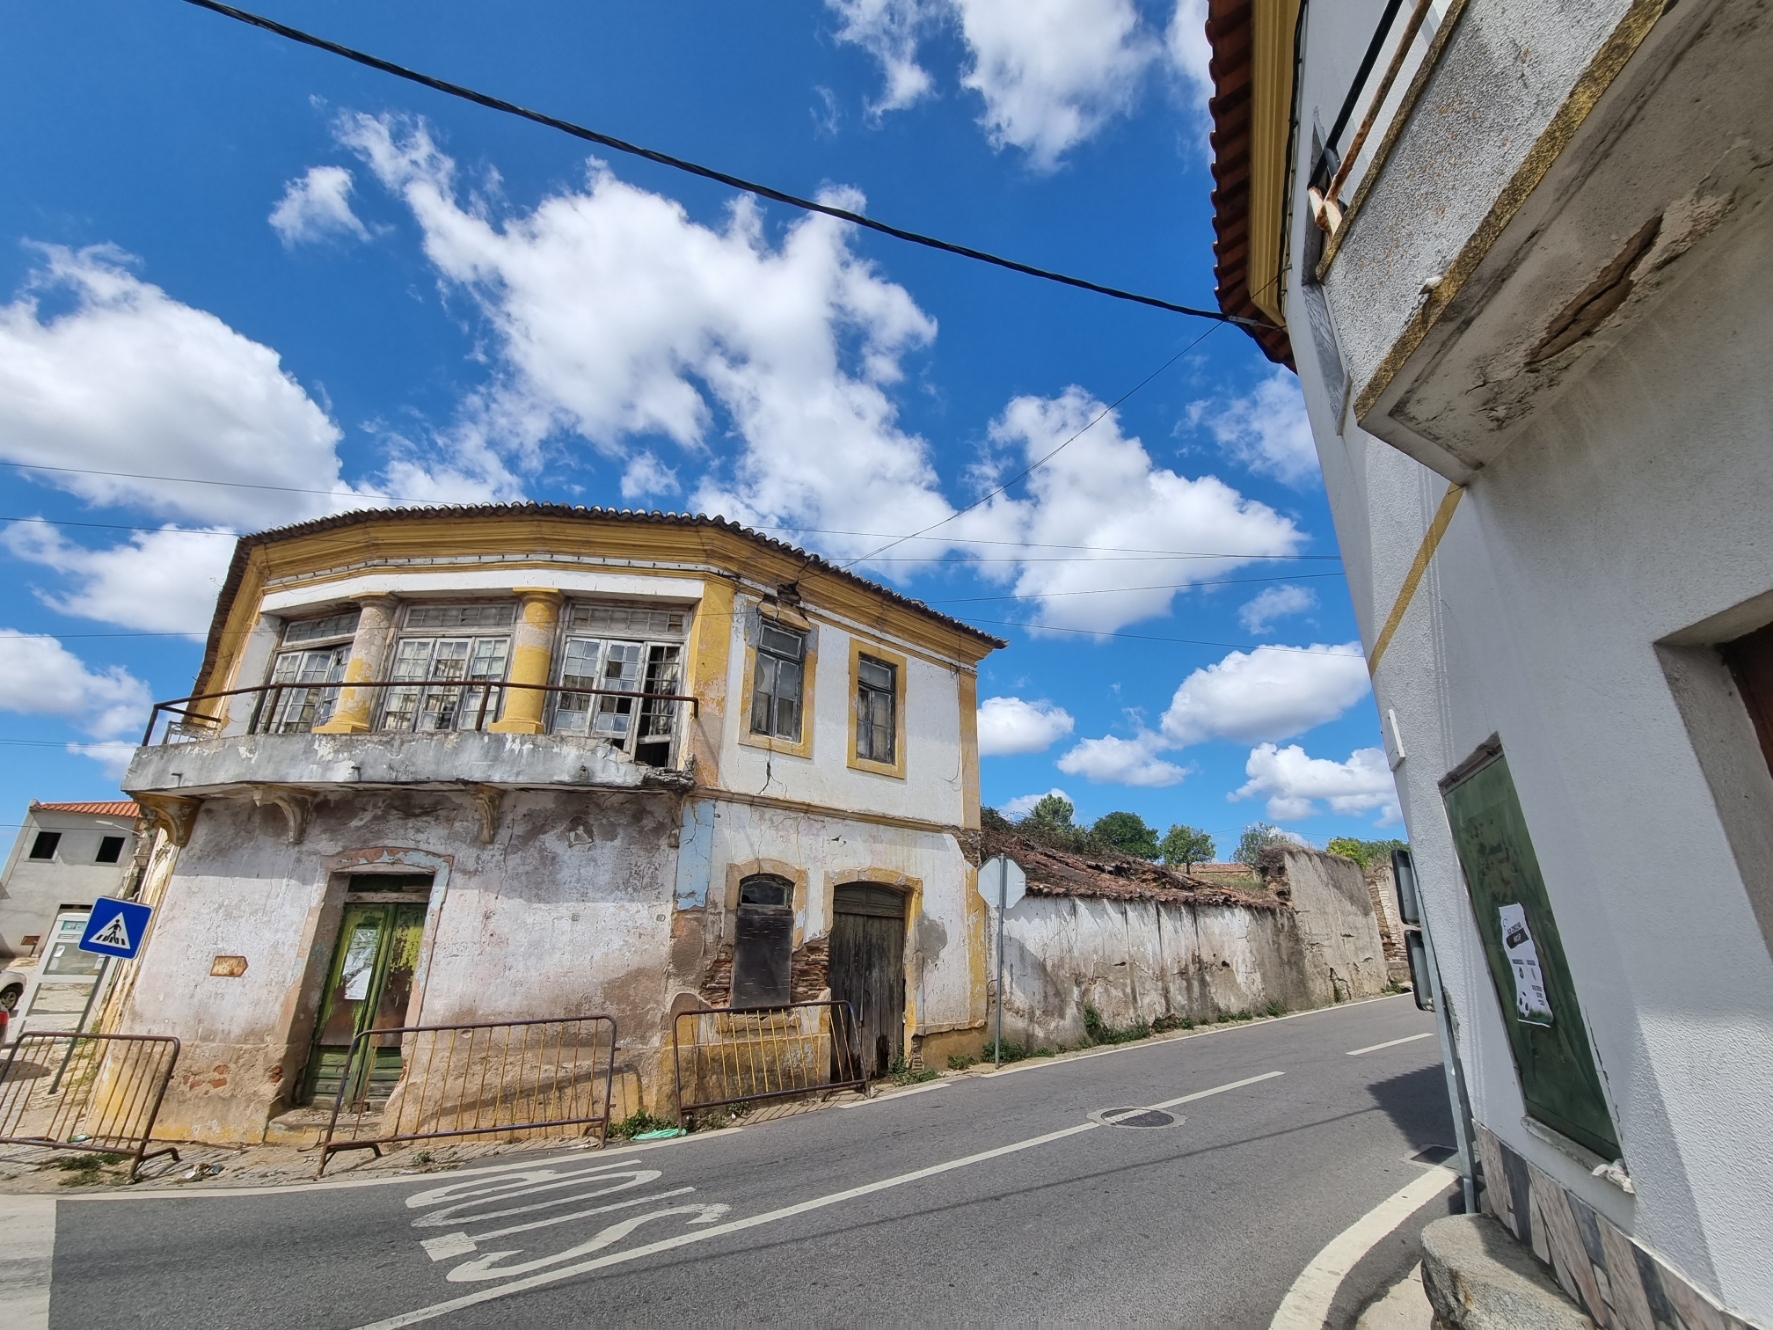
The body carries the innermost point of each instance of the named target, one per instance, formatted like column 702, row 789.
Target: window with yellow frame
column 877, row 710
column 781, row 656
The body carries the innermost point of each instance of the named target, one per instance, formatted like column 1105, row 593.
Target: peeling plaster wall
column 942, row 980
column 1141, row 960
column 567, row 911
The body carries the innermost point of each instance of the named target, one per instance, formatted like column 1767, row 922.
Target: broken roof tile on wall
column 1107, row 875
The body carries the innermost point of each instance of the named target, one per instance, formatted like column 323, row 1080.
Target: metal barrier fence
column 735, row 1055
column 490, row 1078
column 93, row 1092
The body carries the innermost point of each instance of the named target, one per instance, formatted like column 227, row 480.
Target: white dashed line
column 1390, row 1043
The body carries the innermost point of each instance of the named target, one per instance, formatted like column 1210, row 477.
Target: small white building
column 65, row 857
column 524, row 761
column 1522, row 258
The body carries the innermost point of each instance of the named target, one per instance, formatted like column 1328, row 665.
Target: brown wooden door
column 868, row 969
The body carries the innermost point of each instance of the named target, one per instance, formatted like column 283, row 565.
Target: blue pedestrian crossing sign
column 116, row 928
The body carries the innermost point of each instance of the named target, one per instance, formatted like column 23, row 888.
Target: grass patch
column 1098, row 1031
column 1164, row 1024
column 1012, row 1052
column 961, row 1061
column 901, row 1073
column 635, row 1123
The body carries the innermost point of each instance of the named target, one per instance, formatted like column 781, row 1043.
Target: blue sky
column 227, row 258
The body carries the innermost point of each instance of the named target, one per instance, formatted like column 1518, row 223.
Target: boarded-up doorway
column 868, row 969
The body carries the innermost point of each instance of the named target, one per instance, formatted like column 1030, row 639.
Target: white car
column 12, row 988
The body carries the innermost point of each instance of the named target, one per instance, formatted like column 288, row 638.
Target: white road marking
column 546, row 1277
column 1307, row 1304
column 487, row 1267
column 460, row 1244
column 1390, row 1043
column 27, row 1255
column 1218, row 1089
column 1165, row 1040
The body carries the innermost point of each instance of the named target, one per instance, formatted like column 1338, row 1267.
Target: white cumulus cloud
column 890, row 30
column 1265, row 430
column 1101, row 498
column 163, row 581
column 44, row 678
column 1051, row 73
column 1186, row 43
column 130, row 380
column 317, row 206
column 1297, row 786
column 1115, row 761
column 619, row 319
column 1276, row 602
column 1023, row 804
column 1266, row 694
column 1011, row 725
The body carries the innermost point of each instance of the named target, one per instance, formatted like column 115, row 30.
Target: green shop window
column 1546, row 1033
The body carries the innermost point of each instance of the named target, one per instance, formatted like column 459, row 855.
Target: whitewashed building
column 1521, row 257
column 482, row 764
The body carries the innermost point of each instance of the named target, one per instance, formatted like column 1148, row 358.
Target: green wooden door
column 1546, row 1032
column 367, row 988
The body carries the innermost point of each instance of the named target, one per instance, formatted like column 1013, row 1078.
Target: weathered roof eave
column 246, row 545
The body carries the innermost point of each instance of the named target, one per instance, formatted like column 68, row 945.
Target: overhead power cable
column 709, row 173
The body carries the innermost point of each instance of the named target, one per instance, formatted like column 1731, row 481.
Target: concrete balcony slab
column 325, row 761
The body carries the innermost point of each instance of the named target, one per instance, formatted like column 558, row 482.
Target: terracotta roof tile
column 97, row 807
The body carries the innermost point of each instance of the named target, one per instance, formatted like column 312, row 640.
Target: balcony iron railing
column 1333, row 167
column 423, row 706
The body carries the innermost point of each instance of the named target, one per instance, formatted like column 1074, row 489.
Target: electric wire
column 707, row 173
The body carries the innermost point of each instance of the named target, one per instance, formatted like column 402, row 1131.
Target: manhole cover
column 1135, row 1117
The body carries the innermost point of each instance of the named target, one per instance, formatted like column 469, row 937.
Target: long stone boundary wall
column 1310, row 940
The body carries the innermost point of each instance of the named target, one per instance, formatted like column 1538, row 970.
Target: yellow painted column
column 369, row 649
column 532, row 660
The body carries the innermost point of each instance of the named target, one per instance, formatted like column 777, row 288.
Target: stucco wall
column 1134, row 960
column 566, row 912
column 1632, row 513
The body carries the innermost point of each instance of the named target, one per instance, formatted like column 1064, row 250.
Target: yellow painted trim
column 1273, row 24
column 913, row 889
column 526, row 541
column 829, row 812
column 901, row 700
column 795, row 874
column 1612, row 57
column 1431, row 540
column 803, row 747
column 969, row 748
column 709, row 652
column 532, row 659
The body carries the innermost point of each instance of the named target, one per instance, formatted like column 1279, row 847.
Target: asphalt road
column 992, row 1200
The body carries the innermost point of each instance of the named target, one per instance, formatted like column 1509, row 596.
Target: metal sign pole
column 1003, row 887
column 80, row 1025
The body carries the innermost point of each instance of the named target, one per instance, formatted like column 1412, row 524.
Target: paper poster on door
column 1523, row 959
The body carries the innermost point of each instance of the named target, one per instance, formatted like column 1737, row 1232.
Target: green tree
column 1258, row 836
column 1363, row 852
column 1187, row 846
column 1052, row 813
column 1127, row 833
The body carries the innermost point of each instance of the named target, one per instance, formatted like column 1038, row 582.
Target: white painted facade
column 568, row 877
column 1613, row 530
column 33, row 889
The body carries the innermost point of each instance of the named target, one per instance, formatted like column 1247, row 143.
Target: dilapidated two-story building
column 508, row 762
